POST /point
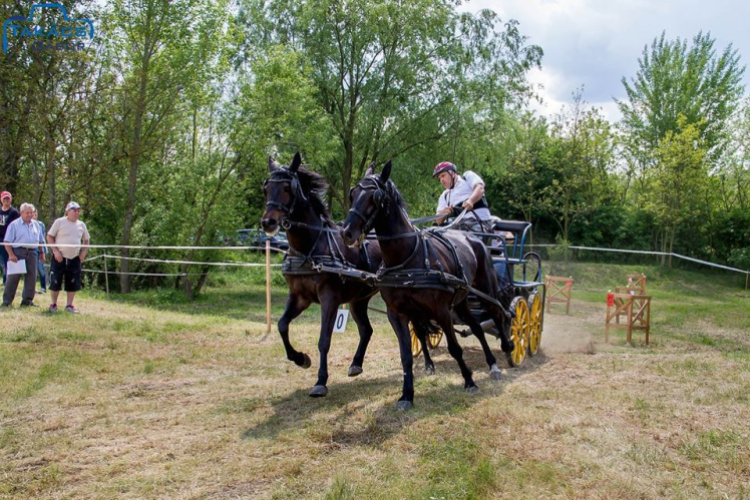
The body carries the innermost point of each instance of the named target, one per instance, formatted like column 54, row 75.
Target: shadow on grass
column 346, row 415
column 238, row 302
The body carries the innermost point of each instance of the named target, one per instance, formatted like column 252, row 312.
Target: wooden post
column 106, row 276
column 268, row 286
column 747, row 277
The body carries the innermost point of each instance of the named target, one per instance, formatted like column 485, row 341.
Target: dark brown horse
column 318, row 267
column 425, row 274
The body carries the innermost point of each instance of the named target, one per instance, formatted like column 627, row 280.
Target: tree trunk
column 135, row 155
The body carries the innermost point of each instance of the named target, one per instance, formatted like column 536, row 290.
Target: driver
column 461, row 192
column 467, row 192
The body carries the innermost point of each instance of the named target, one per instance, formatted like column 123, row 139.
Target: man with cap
column 23, row 238
column 65, row 267
column 7, row 215
column 461, row 192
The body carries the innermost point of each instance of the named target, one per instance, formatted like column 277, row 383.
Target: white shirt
column 66, row 232
column 462, row 189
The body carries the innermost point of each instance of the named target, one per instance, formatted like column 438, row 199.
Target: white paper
column 341, row 318
column 17, row 267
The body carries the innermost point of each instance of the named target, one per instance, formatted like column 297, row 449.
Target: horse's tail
column 485, row 279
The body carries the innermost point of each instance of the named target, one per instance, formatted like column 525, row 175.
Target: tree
column 679, row 183
column 580, row 153
column 675, row 79
column 392, row 76
column 160, row 47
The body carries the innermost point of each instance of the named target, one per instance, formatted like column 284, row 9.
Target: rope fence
column 267, row 265
column 746, row 272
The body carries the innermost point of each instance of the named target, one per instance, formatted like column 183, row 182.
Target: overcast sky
column 594, row 43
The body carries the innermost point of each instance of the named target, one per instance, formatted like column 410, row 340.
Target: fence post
column 747, row 277
column 106, row 276
column 268, row 286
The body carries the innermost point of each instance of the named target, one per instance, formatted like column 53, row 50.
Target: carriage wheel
column 519, row 331
column 416, row 347
column 535, row 335
column 434, row 338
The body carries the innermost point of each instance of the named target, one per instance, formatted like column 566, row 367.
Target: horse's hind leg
column 359, row 313
column 486, row 281
column 463, row 312
column 421, row 332
column 295, row 305
column 445, row 321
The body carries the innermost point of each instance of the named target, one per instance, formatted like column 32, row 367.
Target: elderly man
column 461, row 192
column 7, row 215
column 22, row 240
column 70, row 233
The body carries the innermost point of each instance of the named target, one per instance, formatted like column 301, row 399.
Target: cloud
column 593, row 43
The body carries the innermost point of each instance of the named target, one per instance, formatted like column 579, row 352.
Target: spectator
column 40, row 262
column 22, row 237
column 7, row 215
column 65, row 267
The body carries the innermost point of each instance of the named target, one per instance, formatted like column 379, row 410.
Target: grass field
column 151, row 396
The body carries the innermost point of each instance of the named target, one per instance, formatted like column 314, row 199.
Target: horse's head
column 368, row 199
column 283, row 191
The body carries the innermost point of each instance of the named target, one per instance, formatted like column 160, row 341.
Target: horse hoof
column 496, row 375
column 319, row 391
column 404, row 405
column 355, row 370
column 306, row 363
column 429, row 370
column 472, row 389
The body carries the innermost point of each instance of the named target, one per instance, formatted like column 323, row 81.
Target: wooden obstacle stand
column 634, row 308
column 637, row 281
column 558, row 291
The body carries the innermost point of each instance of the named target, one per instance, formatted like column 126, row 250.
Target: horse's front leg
column 328, row 308
column 401, row 328
column 359, row 314
column 295, row 305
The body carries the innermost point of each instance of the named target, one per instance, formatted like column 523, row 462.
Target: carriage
column 506, row 243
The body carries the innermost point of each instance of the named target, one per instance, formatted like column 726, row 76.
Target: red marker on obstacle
column 610, row 299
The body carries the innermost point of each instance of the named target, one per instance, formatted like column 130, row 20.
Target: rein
column 296, row 263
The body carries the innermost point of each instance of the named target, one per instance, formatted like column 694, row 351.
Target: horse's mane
column 392, row 190
column 314, row 186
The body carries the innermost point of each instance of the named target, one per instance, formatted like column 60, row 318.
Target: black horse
column 425, row 274
column 318, row 267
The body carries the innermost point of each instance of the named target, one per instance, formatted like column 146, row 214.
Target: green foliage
column 394, row 76
column 674, row 79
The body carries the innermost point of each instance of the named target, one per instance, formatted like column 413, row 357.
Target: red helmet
column 443, row 167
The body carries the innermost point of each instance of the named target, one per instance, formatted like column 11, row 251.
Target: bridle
column 379, row 199
column 285, row 176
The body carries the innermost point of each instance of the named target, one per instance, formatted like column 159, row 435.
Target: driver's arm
column 476, row 195
column 442, row 209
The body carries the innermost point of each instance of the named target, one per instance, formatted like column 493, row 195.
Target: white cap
column 72, row 205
